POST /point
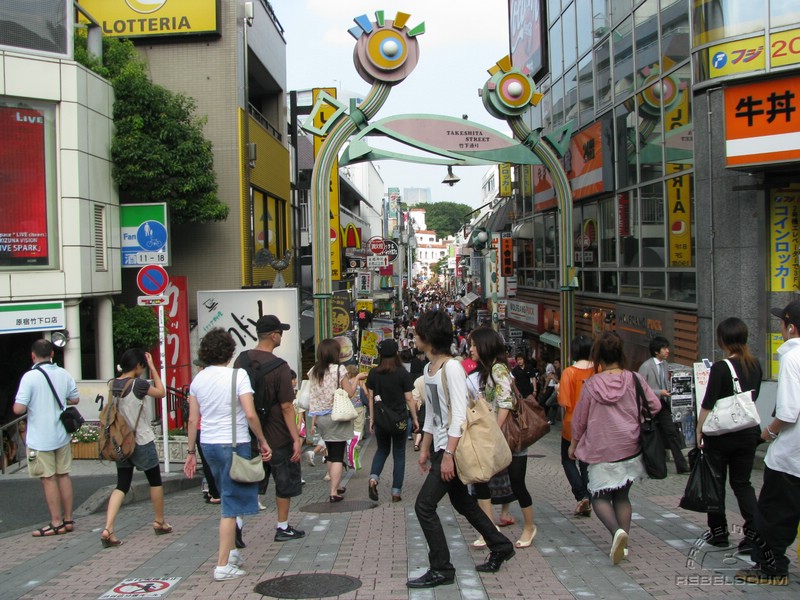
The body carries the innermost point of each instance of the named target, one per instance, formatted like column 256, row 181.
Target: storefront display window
column 717, row 19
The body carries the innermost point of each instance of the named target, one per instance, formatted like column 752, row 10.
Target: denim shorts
column 238, row 499
column 144, row 457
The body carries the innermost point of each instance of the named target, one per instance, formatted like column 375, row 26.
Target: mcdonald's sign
column 351, row 236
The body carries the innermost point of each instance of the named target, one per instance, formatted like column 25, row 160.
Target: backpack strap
column 123, row 393
column 257, row 375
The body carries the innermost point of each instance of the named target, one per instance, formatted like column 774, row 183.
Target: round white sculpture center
column 515, row 89
column 391, row 48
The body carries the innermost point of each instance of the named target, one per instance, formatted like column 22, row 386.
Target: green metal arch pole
column 321, row 203
column 564, row 198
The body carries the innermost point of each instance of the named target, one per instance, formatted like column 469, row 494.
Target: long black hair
column 491, row 349
column 327, row 355
column 732, row 336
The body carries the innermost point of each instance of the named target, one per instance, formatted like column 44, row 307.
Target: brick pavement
column 383, row 546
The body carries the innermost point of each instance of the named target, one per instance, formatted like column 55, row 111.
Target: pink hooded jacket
column 605, row 424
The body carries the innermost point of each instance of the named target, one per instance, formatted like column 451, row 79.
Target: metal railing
column 10, row 432
column 262, row 120
column 177, row 404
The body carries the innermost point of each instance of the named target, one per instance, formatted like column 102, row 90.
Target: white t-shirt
column 784, row 453
column 212, row 389
column 455, row 414
column 45, row 431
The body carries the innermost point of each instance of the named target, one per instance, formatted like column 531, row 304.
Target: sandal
column 107, row 540
column 506, row 522
column 50, row 530
column 416, row 447
column 69, row 526
column 520, row 543
column 162, row 527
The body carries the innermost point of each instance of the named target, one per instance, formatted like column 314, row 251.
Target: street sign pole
column 162, row 349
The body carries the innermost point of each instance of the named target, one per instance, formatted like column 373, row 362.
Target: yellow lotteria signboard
column 143, row 18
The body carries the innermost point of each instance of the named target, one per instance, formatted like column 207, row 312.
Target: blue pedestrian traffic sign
column 152, row 280
column 144, row 234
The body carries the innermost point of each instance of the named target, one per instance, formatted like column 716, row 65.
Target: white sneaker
column 229, row 571
column 618, row 546
column 235, row 558
column 309, row 454
column 261, row 506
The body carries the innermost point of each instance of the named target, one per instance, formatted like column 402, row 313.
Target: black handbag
column 653, row 450
column 70, row 417
column 703, row 491
column 389, row 420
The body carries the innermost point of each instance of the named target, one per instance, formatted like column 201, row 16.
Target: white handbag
column 733, row 413
column 343, row 409
column 304, row 395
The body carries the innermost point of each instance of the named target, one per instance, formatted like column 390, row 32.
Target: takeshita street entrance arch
column 386, row 53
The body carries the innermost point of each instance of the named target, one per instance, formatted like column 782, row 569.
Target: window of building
column 100, row 262
column 651, row 135
column 29, row 219
column 674, row 30
column 571, row 107
column 622, row 45
column 557, row 97
column 646, row 41
column 602, row 66
column 270, row 223
column 717, row 19
column 553, row 10
column 783, row 12
column 625, row 135
column 608, row 232
column 678, row 127
column 554, row 49
column 568, row 33
column 39, row 26
column 586, row 90
column 583, row 26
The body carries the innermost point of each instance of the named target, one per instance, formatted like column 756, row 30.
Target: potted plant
column 177, row 445
column 84, row 442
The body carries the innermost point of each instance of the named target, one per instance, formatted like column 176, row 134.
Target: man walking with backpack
column 271, row 378
column 49, row 450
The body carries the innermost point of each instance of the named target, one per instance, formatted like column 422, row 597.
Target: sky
column 462, row 39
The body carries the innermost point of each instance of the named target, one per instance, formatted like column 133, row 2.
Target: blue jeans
column 576, row 472
column 396, row 443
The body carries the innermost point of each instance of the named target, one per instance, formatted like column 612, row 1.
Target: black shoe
column 760, row 577
column 431, row 579
column 720, row 541
column 744, row 547
column 290, row 533
column 373, row 490
column 492, row 564
column 684, row 471
column 239, row 539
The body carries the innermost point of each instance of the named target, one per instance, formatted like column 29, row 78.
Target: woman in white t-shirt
column 210, row 397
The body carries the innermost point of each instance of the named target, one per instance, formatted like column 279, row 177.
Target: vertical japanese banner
column 784, row 275
column 679, row 207
column 504, row 184
column 775, row 341
column 369, row 349
column 176, row 332
column 319, row 120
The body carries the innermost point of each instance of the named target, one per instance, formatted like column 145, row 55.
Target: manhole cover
column 339, row 507
column 309, row 585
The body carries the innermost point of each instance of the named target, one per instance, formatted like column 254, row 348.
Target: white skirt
column 610, row 476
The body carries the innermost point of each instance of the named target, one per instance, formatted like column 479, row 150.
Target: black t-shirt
column 391, row 387
column 522, row 377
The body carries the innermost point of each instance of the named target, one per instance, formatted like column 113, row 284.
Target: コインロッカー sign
column 144, row 18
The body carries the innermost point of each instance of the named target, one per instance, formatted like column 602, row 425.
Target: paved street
column 383, row 546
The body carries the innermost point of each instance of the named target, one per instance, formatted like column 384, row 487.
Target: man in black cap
column 271, row 378
column 778, row 513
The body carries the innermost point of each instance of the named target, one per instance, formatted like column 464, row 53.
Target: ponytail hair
column 732, row 336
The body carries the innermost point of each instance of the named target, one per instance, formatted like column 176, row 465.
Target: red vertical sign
column 176, row 325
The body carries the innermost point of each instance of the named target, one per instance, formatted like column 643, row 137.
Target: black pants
column 776, row 521
column 213, row 492
column 432, row 491
column 732, row 456
column 577, row 473
column 671, row 436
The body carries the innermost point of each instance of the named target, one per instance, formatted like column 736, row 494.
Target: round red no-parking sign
column 152, row 280
column 376, row 245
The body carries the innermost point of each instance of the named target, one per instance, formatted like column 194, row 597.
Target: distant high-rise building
column 412, row 196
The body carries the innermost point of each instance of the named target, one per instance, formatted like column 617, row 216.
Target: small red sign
column 376, row 245
column 152, row 279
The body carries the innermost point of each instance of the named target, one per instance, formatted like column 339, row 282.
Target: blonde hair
column 352, row 370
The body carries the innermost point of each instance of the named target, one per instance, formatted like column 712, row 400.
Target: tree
column 133, row 327
column 158, row 149
column 445, row 218
column 439, row 265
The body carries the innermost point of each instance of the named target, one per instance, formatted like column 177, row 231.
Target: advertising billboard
column 145, row 18
column 23, row 187
column 37, row 27
column 526, row 29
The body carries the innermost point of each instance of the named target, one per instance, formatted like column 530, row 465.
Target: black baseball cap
column 387, row 348
column 790, row 314
column 269, row 323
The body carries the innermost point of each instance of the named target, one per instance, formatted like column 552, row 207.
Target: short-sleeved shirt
column 212, row 389
column 45, row 431
column 391, row 387
column 783, row 454
column 522, row 377
column 278, row 391
column 131, row 404
column 720, row 385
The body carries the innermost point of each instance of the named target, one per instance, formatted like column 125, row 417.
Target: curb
column 139, row 491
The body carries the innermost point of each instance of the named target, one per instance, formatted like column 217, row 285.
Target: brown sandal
column 162, row 527
column 69, row 526
column 107, row 540
column 50, row 531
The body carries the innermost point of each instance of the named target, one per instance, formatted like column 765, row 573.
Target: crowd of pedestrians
column 427, row 376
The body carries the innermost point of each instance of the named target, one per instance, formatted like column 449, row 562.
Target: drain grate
column 339, row 507
column 308, row 585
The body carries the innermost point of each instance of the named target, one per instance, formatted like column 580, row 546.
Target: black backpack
column 257, row 372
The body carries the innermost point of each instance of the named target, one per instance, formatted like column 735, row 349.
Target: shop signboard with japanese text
column 237, row 311
column 23, row 188
column 762, row 122
column 750, row 54
column 784, row 234
column 32, row 316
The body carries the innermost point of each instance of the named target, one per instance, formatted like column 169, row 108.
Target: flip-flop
column 50, row 530
column 506, row 522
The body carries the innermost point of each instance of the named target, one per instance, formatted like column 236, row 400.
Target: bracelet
column 446, row 451
column 772, row 434
column 191, row 452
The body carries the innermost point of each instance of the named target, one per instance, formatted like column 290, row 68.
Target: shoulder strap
column 124, row 392
column 233, row 408
column 443, row 369
column 641, row 399
column 39, row 368
column 737, row 388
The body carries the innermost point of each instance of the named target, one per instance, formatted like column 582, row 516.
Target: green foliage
column 135, row 327
column 445, row 218
column 439, row 266
column 159, row 151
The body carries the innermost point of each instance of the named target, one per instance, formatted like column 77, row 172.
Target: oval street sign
column 152, row 280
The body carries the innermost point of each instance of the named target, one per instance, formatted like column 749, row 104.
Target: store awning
column 550, row 339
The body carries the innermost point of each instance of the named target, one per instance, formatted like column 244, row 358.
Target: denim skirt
column 144, row 457
column 238, row 499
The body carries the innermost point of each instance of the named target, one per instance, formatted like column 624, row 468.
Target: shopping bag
column 703, row 491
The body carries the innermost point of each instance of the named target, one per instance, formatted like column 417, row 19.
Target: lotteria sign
column 142, row 18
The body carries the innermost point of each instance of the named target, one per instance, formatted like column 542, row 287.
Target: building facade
column 671, row 215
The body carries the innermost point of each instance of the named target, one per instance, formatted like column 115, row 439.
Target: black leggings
column 516, row 473
column 125, row 477
column 335, row 451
